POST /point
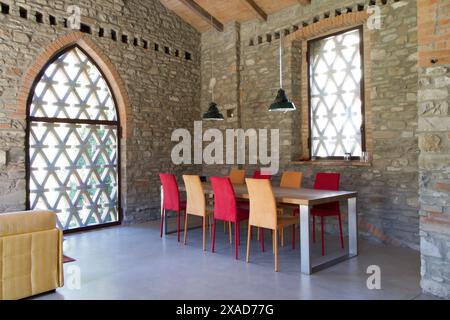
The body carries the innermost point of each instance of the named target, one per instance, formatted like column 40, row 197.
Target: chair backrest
column 263, row 207
column 291, row 179
column 224, row 199
column 257, row 174
column 195, row 196
column 237, row 176
column 327, row 181
column 171, row 191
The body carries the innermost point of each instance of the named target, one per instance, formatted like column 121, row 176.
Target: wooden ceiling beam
column 304, row 2
column 256, row 9
column 203, row 14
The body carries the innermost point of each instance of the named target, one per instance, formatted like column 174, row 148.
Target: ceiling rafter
column 256, row 9
column 195, row 7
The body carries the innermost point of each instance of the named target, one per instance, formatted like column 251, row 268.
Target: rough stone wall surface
column 388, row 188
column 434, row 143
column 163, row 88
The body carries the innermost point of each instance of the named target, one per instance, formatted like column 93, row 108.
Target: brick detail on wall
column 433, row 32
column 332, row 24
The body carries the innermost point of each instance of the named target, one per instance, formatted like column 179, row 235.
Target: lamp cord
column 212, row 61
column 281, row 60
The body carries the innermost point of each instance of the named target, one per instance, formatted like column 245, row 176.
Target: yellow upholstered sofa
column 30, row 254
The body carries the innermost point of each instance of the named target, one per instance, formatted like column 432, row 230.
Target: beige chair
column 237, row 176
column 291, row 179
column 31, row 260
column 263, row 213
column 196, row 204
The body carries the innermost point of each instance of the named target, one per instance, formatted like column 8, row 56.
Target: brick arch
column 324, row 26
column 94, row 52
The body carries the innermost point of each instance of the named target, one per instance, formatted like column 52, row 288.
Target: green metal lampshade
column 213, row 113
column 282, row 103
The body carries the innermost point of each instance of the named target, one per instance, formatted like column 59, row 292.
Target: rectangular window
column 336, row 95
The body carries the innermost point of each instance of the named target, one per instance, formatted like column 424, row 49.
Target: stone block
column 430, row 143
column 2, row 158
column 428, row 248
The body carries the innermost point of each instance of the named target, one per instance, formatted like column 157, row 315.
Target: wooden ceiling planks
column 197, row 12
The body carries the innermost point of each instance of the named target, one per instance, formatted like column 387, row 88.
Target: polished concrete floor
column 132, row 262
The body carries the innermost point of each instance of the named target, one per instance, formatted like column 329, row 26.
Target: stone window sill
column 334, row 163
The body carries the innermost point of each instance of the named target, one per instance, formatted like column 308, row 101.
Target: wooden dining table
column 306, row 199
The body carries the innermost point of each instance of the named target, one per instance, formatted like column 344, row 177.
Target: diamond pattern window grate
column 336, row 104
column 73, row 152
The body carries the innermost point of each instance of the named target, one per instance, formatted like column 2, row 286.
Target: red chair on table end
column 225, row 209
column 257, row 174
column 171, row 199
column 326, row 181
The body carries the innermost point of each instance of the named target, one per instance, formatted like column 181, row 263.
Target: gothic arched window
column 73, row 143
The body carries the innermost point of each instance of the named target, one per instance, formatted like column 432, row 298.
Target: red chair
column 326, row 181
column 225, row 209
column 171, row 201
column 258, row 175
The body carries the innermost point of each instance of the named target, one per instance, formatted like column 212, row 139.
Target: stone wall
column 157, row 57
column 434, row 143
column 388, row 186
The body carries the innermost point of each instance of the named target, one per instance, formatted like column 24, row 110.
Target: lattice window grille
column 335, row 93
column 73, row 144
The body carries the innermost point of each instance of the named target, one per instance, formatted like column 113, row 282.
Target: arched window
column 73, row 143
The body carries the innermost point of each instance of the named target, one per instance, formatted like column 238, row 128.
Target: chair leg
column 340, row 232
column 210, row 220
column 282, row 237
column 323, row 243
column 261, row 236
column 230, row 233
column 276, row 250
column 163, row 213
column 213, row 236
column 293, row 237
column 178, row 224
column 248, row 242
column 236, row 240
column 273, row 244
column 185, row 226
column 204, row 233
column 239, row 233
column 314, row 228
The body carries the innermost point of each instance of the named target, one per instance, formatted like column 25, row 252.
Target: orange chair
column 291, row 179
column 195, row 204
column 237, row 176
column 263, row 213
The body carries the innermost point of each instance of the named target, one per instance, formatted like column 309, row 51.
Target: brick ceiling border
column 94, row 53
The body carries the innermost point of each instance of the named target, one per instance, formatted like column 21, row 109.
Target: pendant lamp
column 282, row 103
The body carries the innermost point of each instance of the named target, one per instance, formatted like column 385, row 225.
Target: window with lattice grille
column 335, row 95
column 73, row 141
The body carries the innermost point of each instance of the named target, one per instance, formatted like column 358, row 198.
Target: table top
column 301, row 196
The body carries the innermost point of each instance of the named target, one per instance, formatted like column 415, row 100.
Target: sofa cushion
column 14, row 223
